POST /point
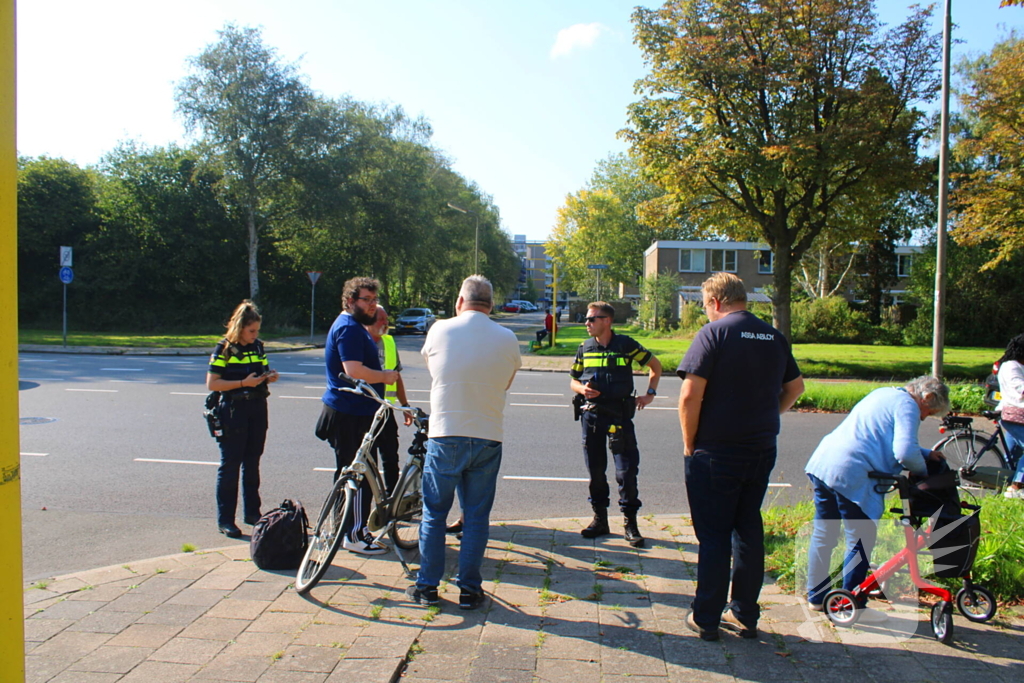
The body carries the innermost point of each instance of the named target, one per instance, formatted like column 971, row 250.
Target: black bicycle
column 982, row 460
column 395, row 516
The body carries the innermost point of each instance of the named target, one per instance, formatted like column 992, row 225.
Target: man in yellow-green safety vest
column 386, row 448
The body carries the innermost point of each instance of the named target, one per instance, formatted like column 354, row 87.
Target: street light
column 476, row 242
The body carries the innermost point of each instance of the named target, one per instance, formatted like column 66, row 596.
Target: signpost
column 66, row 276
column 314, row 275
column 598, row 267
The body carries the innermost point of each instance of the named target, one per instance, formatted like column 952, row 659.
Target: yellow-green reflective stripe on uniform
column 390, row 363
column 244, row 359
column 602, row 359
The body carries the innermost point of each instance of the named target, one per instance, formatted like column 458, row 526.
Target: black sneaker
column 469, row 599
column 230, row 530
column 422, row 595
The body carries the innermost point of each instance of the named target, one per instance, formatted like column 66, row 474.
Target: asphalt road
column 125, row 470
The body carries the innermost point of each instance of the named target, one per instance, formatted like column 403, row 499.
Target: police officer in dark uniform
column 602, row 377
column 240, row 372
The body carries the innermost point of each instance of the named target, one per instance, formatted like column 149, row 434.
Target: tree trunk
column 782, row 281
column 254, row 245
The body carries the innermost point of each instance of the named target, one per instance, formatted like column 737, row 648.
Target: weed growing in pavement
column 188, row 548
column 431, row 612
column 602, row 564
column 277, row 655
column 125, row 566
column 414, row 649
column 541, row 637
column 161, row 571
column 41, row 585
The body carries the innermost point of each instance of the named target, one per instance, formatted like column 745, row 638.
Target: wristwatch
column 652, row 392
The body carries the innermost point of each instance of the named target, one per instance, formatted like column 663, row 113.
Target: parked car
column 511, row 307
column 992, row 395
column 414, row 320
column 524, row 305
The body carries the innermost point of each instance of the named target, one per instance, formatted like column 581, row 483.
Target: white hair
column 477, row 290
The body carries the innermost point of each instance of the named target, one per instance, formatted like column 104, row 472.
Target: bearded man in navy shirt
column 346, row 417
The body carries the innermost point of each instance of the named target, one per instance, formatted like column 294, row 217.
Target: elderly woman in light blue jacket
column 879, row 434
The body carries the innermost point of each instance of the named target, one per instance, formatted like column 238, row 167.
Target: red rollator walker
column 932, row 519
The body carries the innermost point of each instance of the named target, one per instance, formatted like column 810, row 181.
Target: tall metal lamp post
column 939, row 326
column 476, row 241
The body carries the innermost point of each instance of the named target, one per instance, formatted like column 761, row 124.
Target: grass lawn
column 862, row 361
column 150, row 341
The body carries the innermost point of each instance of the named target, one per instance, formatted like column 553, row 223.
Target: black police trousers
column 596, row 438
column 245, row 433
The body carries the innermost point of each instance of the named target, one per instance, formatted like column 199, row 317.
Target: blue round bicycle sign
column 66, row 275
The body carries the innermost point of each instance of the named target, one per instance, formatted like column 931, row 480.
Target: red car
column 511, row 308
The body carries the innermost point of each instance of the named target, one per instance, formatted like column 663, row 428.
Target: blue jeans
column 1014, row 434
column 833, row 510
column 469, row 466
column 725, row 488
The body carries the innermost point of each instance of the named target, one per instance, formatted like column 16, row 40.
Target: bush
column 828, row 320
column 967, row 398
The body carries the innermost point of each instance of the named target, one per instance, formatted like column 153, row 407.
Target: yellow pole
column 12, row 626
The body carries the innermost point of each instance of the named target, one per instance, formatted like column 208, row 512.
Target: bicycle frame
column 985, row 476
column 380, row 520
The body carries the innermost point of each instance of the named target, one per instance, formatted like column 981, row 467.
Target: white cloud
column 576, row 36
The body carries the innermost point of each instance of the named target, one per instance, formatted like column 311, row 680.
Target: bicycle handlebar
column 363, row 388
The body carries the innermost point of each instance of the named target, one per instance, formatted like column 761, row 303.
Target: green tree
column 57, row 206
column 988, row 199
column 774, row 120
column 254, row 113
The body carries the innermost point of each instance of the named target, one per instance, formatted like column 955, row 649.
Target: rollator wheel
column 977, row 604
column 942, row 622
column 841, row 608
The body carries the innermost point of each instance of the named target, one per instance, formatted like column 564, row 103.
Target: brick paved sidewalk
column 561, row 608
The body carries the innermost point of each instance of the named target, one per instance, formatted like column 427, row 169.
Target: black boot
column 598, row 526
column 633, row 536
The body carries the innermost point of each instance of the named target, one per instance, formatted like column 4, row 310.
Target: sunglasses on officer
column 592, row 318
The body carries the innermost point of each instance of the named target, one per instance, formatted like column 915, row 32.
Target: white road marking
column 96, row 391
column 779, row 486
column 425, row 402
column 323, row 469
column 292, row 373
column 121, row 370
column 539, row 405
column 417, row 391
column 308, row 398
column 545, row 478
column 523, row 393
column 188, row 393
column 37, row 360
column 178, row 362
column 315, row 387
column 177, row 462
column 312, row 365
column 133, row 381
column 40, row 379
column 658, row 408
column 38, row 455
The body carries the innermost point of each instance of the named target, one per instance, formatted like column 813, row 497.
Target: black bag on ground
column 279, row 538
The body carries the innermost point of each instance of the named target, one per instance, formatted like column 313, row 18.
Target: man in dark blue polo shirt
column 739, row 376
column 346, row 417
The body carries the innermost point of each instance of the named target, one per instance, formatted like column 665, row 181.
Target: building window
column 723, row 260
column 903, row 264
column 691, row 260
column 766, row 263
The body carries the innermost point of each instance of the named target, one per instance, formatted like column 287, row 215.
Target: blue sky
column 524, row 97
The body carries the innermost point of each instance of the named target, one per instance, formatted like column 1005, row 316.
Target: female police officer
column 239, row 370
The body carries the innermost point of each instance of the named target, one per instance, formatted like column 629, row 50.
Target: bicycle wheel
column 407, row 509
column 976, row 604
column 961, row 451
column 335, row 516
